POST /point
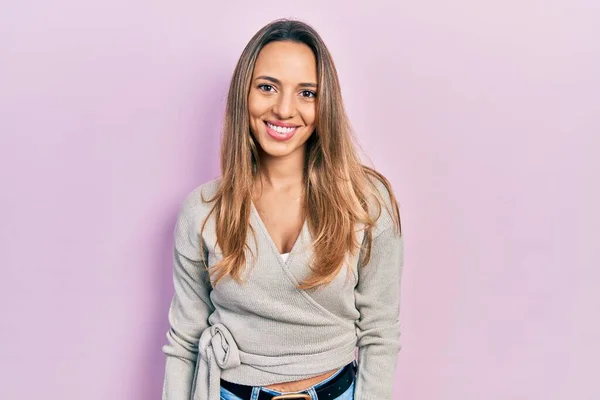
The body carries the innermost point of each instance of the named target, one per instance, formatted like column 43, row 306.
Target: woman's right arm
column 190, row 306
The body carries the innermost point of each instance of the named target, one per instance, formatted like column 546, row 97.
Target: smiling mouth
column 281, row 129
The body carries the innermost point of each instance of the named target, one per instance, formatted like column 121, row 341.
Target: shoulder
column 194, row 210
column 383, row 205
column 200, row 197
column 197, row 204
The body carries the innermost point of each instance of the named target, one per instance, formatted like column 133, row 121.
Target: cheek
column 257, row 105
column 309, row 114
column 251, row 106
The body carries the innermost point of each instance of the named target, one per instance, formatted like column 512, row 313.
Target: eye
column 308, row 93
column 266, row 88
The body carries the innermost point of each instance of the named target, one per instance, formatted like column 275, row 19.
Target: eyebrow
column 278, row 82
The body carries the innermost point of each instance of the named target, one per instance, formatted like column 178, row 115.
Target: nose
column 285, row 106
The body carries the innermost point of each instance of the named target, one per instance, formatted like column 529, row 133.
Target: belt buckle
column 292, row 396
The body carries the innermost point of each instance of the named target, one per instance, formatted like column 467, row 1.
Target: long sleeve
column 377, row 297
column 190, row 306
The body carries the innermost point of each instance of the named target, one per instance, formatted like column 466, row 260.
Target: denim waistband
column 311, row 390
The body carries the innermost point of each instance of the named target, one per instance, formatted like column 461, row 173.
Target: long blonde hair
column 337, row 186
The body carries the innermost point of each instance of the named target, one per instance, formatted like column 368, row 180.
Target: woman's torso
column 282, row 215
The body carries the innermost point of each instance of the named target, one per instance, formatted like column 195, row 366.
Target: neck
column 282, row 172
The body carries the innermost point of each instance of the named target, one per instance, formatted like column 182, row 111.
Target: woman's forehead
column 288, row 62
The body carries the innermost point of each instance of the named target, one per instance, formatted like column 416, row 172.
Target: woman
column 291, row 259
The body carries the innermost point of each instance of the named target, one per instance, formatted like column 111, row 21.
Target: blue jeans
column 347, row 395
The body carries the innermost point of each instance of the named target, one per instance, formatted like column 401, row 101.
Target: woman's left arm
column 377, row 297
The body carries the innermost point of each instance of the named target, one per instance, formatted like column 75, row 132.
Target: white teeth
column 280, row 129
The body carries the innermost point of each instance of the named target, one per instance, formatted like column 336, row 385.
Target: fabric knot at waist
column 217, row 350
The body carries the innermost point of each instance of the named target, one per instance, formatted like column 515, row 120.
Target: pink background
column 484, row 115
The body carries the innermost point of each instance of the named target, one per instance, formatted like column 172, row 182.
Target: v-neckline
column 263, row 227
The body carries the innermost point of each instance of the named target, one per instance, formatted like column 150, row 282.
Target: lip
column 282, row 124
column 279, row 136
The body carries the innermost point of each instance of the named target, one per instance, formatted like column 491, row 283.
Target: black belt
column 330, row 390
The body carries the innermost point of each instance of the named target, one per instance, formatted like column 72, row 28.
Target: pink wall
column 485, row 116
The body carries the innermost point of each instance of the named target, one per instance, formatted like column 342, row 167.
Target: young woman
column 292, row 258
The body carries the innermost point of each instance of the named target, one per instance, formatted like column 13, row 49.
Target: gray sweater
column 265, row 330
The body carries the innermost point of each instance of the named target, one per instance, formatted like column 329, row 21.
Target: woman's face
column 282, row 98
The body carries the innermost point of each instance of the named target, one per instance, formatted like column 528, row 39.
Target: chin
column 278, row 149
column 273, row 148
